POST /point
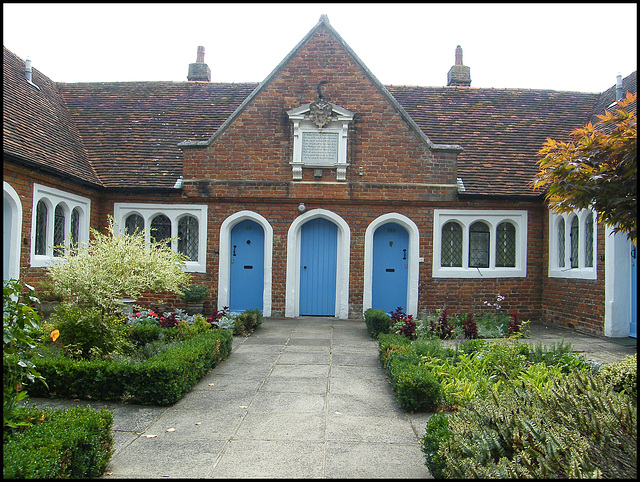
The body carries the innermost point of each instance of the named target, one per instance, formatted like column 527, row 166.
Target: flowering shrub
column 442, row 328
column 222, row 319
column 165, row 320
column 469, row 326
column 402, row 324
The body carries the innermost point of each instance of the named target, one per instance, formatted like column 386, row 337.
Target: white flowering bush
column 108, row 268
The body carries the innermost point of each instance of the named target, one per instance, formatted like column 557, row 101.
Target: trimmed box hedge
column 74, row 443
column 161, row 380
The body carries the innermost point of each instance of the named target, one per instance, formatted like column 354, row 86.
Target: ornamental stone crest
column 320, row 113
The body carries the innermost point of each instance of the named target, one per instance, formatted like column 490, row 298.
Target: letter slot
column 391, row 270
column 248, row 267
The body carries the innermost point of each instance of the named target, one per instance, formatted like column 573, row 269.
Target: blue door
column 390, row 268
column 318, row 262
column 246, row 280
column 633, row 329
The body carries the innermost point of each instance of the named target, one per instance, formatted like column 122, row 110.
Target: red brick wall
column 578, row 304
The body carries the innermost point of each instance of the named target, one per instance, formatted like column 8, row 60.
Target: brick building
column 318, row 191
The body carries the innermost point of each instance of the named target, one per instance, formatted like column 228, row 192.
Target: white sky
column 575, row 47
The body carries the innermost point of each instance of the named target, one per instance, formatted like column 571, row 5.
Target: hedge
column 161, row 380
column 73, row 443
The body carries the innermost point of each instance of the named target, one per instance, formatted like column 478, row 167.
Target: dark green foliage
column 377, row 322
column 161, row 380
column 73, row 443
column 415, row 386
column 194, row 293
column 579, row 428
column 437, row 431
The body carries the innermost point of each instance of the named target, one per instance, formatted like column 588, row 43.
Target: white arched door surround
column 413, row 260
column 292, row 308
column 224, row 266
column 11, row 228
column 618, row 296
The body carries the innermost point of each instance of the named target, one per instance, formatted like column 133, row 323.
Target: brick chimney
column 459, row 74
column 199, row 72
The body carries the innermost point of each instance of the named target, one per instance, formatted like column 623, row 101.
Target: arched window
column 58, row 231
column 561, row 243
column 188, row 236
column 575, row 241
column 506, row 245
column 75, row 228
column 588, row 241
column 451, row 248
column 161, row 229
column 41, row 228
column 479, row 245
column 134, row 223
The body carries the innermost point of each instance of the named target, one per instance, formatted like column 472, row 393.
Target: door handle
column 234, row 249
column 405, row 254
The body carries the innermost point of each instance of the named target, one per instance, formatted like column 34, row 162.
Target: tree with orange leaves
column 597, row 170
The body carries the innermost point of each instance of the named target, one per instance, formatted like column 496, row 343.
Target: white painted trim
column 581, row 272
column 52, row 197
column 224, row 263
column 492, row 218
column 174, row 212
column 10, row 196
column 413, row 261
column 292, row 304
column 617, row 286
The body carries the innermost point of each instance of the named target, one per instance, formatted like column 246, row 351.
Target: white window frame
column 582, row 271
column 53, row 197
column 466, row 218
column 174, row 212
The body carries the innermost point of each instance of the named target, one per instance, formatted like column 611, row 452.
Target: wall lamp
column 302, row 208
column 178, row 184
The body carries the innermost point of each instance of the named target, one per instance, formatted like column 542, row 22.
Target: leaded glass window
column 188, row 237
column 575, row 238
column 134, row 223
column 41, row 228
column 451, row 245
column 58, row 231
column 479, row 245
column 588, row 241
column 75, row 227
column 506, row 245
column 161, row 229
column 561, row 243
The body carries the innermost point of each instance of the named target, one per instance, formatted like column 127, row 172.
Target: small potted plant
column 193, row 296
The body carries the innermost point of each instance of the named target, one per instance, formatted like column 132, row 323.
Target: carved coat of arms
column 320, row 113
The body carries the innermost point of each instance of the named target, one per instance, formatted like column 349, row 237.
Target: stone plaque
column 320, row 148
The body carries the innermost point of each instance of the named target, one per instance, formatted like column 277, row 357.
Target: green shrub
column 377, row 322
column 436, row 432
column 72, row 443
column 579, row 428
column 415, row 385
column 87, row 334
column 247, row 322
column 193, row 293
column 388, row 342
column 162, row 379
column 622, row 375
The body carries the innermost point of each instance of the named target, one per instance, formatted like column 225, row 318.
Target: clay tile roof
column 36, row 125
column 500, row 130
column 131, row 130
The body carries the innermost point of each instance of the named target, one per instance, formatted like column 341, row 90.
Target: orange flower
column 54, row 335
